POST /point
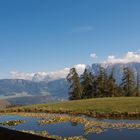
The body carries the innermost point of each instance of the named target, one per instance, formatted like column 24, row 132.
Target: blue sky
column 48, row 35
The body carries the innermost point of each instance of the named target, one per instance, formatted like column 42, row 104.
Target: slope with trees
column 102, row 85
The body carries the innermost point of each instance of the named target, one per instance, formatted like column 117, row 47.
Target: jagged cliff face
column 59, row 87
column 118, row 69
column 44, row 91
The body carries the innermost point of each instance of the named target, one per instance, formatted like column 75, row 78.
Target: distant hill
column 9, row 87
column 17, row 86
column 34, row 100
column 35, row 91
column 18, row 91
column 58, row 88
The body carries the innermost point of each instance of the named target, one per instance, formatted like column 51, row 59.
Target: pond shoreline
column 67, row 127
column 113, row 107
column 98, row 115
column 8, row 134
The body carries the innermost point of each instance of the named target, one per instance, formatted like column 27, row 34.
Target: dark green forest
column 101, row 85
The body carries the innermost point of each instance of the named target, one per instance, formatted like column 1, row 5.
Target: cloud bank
column 128, row 57
column 21, row 75
column 48, row 76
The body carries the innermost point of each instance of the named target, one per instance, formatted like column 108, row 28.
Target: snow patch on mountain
column 118, row 69
column 46, row 76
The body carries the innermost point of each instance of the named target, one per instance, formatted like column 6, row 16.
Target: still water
column 66, row 129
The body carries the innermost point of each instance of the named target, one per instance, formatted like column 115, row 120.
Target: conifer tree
column 128, row 82
column 75, row 92
column 101, row 83
column 138, row 86
column 111, row 85
column 87, row 84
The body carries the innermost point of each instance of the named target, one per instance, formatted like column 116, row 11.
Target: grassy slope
column 119, row 104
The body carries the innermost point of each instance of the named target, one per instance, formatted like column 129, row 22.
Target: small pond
column 103, row 129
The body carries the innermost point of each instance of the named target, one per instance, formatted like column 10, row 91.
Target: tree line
column 102, row 85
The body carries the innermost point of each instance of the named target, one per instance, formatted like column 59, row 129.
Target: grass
column 114, row 107
column 116, row 104
column 122, row 104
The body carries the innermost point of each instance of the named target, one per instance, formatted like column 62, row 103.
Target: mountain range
column 42, row 90
column 118, row 69
column 19, row 91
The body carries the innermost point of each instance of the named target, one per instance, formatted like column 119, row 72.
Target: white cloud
column 80, row 68
column 93, row 55
column 21, row 75
column 47, row 75
column 128, row 57
column 63, row 73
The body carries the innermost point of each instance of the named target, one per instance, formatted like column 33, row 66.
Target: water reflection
column 88, row 128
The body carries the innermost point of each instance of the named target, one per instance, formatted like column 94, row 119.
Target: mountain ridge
column 18, row 89
column 118, row 69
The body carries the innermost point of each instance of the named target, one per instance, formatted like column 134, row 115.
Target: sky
column 50, row 36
